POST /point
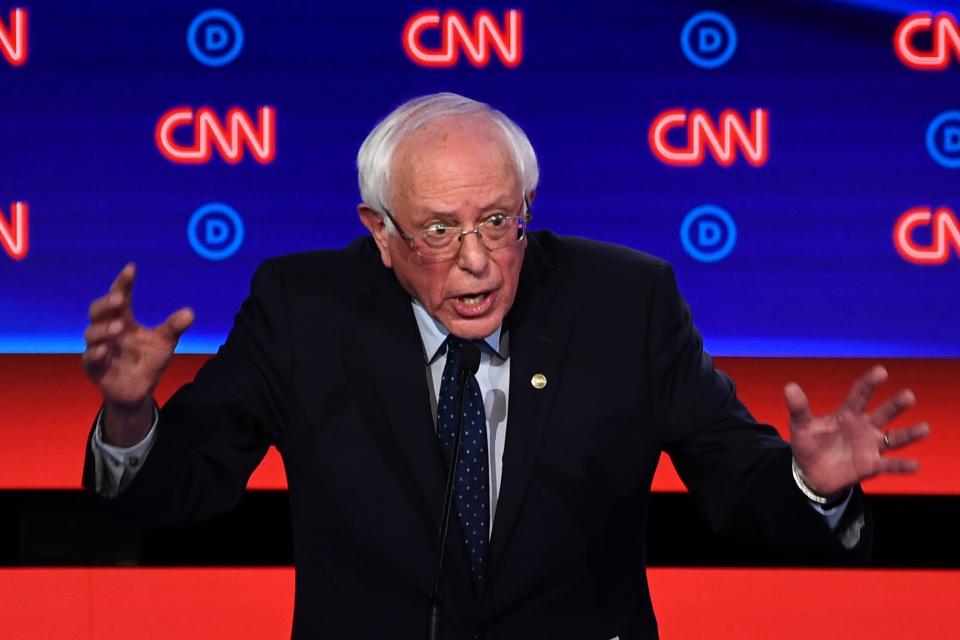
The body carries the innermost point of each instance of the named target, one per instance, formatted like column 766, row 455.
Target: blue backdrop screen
column 826, row 227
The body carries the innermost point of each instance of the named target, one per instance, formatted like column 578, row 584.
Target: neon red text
column 210, row 133
column 456, row 35
column 945, row 231
column 946, row 37
column 703, row 135
column 15, row 235
column 13, row 40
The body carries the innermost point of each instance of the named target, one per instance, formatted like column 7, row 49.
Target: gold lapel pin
column 539, row 381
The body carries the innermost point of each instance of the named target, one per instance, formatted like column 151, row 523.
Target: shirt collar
column 435, row 334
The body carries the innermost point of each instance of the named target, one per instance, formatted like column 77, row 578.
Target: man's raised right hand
column 125, row 359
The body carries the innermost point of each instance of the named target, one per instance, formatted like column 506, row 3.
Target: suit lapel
column 391, row 364
column 538, row 338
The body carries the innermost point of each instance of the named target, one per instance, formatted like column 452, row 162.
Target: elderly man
column 590, row 366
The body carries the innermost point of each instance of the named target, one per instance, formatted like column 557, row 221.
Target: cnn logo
column 944, row 232
column 944, row 33
column 456, row 36
column 229, row 138
column 720, row 139
column 13, row 38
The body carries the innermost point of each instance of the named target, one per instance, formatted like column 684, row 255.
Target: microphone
column 469, row 364
column 469, row 361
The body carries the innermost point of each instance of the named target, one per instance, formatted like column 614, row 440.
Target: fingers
column 123, row 283
column 176, row 323
column 110, row 316
column 863, row 389
column 104, row 330
column 95, row 358
column 797, row 404
column 107, row 323
column 117, row 299
column 901, row 437
column 897, row 465
column 95, row 354
column 106, row 306
column 893, row 407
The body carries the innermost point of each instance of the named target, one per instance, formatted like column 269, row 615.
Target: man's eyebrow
column 428, row 214
column 501, row 202
column 438, row 212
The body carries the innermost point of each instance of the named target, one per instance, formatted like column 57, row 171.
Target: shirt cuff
column 833, row 514
column 115, row 467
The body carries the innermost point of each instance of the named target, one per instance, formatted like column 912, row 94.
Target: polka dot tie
column 471, row 482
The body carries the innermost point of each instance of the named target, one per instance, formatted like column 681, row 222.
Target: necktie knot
column 455, row 347
column 455, row 344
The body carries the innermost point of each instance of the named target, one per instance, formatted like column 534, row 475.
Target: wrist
column 126, row 425
column 827, row 501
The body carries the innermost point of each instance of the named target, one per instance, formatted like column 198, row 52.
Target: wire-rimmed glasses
column 442, row 240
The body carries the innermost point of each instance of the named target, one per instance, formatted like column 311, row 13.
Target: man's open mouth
column 474, row 299
column 475, row 304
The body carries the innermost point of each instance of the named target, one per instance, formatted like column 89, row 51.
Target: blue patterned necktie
column 471, row 483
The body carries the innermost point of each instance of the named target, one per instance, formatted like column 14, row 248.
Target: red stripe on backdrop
column 115, row 604
column 107, row 604
column 49, row 404
column 693, row 604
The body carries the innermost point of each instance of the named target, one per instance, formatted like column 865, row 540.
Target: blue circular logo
column 215, row 231
column 708, row 233
column 708, row 39
column 215, row 37
column 943, row 139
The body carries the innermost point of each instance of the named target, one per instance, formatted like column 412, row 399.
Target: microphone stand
column 469, row 363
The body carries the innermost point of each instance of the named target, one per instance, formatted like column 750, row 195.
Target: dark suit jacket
column 325, row 361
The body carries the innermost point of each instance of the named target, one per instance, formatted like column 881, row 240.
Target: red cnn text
column 944, row 230
column 456, row 36
column 13, row 38
column 15, row 234
column 229, row 137
column 944, row 32
column 721, row 139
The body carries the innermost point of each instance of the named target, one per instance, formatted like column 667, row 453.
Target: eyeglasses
column 441, row 241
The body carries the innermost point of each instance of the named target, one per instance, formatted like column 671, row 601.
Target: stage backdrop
column 794, row 160
column 797, row 161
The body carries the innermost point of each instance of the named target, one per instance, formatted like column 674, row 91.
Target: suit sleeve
column 214, row 431
column 737, row 470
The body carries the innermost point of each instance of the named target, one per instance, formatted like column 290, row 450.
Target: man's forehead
column 447, row 156
column 444, row 126
column 479, row 136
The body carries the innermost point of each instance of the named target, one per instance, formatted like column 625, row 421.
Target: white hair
column 376, row 153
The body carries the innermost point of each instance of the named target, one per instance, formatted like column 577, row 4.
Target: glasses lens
column 501, row 231
column 438, row 241
column 438, row 237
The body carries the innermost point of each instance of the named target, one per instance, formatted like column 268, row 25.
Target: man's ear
column 374, row 222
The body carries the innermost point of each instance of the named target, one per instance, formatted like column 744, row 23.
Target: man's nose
column 473, row 256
